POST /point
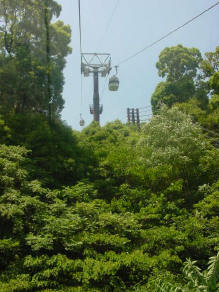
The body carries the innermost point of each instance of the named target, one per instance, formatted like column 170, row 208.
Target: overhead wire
column 81, row 95
column 168, row 34
column 79, row 18
column 101, row 41
column 109, row 22
column 80, row 35
column 144, row 107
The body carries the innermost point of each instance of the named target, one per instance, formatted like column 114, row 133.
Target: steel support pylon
column 96, row 98
column 95, row 64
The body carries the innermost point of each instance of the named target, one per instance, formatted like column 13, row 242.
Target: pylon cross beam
column 91, row 62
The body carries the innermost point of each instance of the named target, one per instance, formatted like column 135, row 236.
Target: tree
column 180, row 66
column 5, row 133
column 56, row 157
column 36, row 48
column 210, row 65
column 177, row 62
column 172, row 143
column 169, row 93
column 210, row 70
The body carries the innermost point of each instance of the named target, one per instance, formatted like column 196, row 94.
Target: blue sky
column 135, row 24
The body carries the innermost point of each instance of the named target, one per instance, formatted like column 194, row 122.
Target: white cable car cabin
column 114, row 83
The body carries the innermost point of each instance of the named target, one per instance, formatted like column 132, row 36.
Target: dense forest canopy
column 113, row 208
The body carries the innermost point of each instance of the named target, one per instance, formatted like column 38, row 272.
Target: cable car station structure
column 97, row 64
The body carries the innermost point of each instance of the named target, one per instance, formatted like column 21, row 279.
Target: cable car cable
column 168, row 34
column 79, row 14
column 81, row 103
column 109, row 22
column 81, row 92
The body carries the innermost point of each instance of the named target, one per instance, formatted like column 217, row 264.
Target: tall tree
column 180, row 66
column 177, row 62
column 32, row 56
column 210, row 69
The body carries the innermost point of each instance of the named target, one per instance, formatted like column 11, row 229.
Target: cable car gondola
column 114, row 82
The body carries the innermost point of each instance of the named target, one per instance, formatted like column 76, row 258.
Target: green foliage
column 177, row 62
column 5, row 133
column 211, row 64
column 192, row 84
column 180, row 66
column 173, row 146
column 195, row 279
column 172, row 92
column 56, row 157
column 149, row 201
column 36, row 48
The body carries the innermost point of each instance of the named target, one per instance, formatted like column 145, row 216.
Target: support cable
column 79, row 14
column 168, row 34
column 101, row 42
column 109, row 22
column 81, row 93
column 79, row 18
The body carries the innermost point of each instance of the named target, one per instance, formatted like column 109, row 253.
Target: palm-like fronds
column 197, row 281
column 212, row 273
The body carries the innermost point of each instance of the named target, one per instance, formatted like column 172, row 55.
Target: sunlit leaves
column 179, row 61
